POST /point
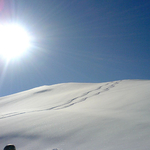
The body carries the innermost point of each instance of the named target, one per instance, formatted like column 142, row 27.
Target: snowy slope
column 78, row 116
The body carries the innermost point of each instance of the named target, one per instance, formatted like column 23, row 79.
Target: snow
column 78, row 116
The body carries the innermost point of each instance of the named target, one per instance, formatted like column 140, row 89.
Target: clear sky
column 78, row 41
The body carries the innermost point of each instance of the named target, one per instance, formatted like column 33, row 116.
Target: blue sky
column 78, row 41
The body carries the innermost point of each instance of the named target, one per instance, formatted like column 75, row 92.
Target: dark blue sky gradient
column 79, row 41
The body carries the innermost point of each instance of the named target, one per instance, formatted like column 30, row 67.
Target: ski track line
column 71, row 102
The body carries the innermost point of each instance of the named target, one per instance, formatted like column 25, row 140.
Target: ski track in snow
column 85, row 96
column 101, row 89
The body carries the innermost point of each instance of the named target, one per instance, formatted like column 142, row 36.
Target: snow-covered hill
column 78, row 116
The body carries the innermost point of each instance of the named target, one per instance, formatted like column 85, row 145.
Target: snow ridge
column 112, row 115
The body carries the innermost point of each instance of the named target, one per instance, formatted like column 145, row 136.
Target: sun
column 14, row 41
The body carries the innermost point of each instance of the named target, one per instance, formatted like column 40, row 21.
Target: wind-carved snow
column 112, row 115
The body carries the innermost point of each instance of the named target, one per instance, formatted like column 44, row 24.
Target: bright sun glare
column 14, row 41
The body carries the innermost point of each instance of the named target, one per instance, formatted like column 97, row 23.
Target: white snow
column 78, row 116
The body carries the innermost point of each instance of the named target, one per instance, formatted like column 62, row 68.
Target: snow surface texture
column 78, row 116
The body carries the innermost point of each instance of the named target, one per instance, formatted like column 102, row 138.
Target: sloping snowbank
column 78, row 116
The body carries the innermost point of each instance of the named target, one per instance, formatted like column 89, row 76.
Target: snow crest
column 112, row 115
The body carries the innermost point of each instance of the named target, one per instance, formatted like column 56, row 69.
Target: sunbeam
column 15, row 41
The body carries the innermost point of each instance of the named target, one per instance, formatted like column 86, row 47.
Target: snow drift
column 78, row 116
